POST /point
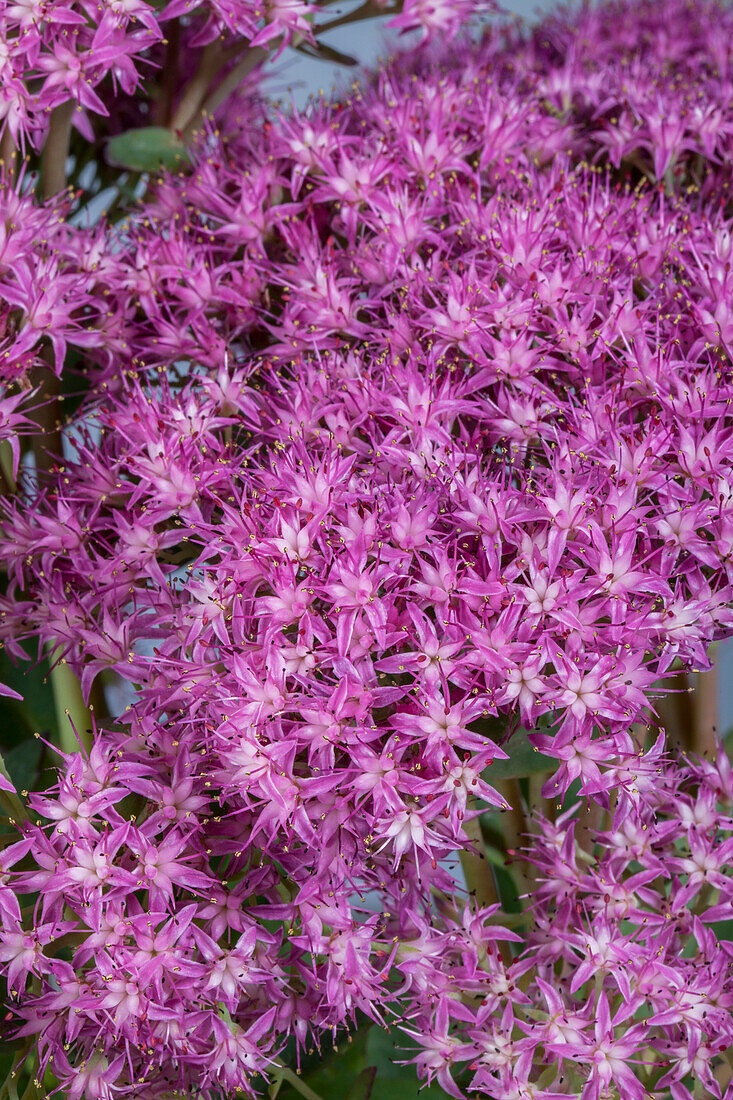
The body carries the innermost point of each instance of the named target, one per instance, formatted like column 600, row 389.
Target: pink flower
column 405, row 420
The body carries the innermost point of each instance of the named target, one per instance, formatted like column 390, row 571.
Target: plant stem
column 367, row 11
column 169, row 75
column 705, row 712
column 234, row 77
column 675, row 709
column 589, row 823
column 213, row 57
column 299, row 1085
column 198, row 101
column 689, row 713
column 515, row 827
column 8, row 155
column 286, row 1074
column 536, row 801
column 477, row 868
column 47, row 445
column 56, row 149
column 7, row 481
column 70, row 707
column 47, row 442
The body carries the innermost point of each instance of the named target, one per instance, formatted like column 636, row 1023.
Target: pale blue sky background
column 295, row 77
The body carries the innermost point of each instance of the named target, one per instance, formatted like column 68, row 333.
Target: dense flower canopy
column 411, row 423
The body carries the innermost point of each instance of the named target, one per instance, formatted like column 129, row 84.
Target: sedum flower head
column 409, row 423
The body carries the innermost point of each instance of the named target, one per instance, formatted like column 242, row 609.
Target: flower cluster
column 599, row 67
column 258, row 23
column 482, row 461
column 49, row 306
column 84, row 57
column 624, row 987
column 410, row 422
column 51, row 281
column 193, row 947
column 440, row 18
column 195, row 944
column 58, row 52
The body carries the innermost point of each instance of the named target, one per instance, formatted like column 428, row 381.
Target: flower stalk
column 56, row 149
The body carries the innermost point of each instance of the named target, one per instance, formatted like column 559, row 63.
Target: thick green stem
column 515, row 828
column 537, row 801
column 286, row 1074
column 590, row 822
column 169, row 76
column 477, row 868
column 7, row 479
column 705, row 712
column 233, row 78
column 47, row 447
column 47, row 441
column 213, row 58
column 689, row 712
column 199, row 101
column 479, row 876
column 70, row 708
column 675, row 709
column 47, row 444
column 8, row 155
column 56, row 149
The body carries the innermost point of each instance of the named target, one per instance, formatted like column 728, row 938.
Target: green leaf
column 331, row 1075
column 146, row 150
column 494, row 855
column 361, row 1088
column 524, row 759
column 36, row 713
column 367, row 1069
column 9, row 799
column 385, row 1051
column 382, row 1052
column 23, row 764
